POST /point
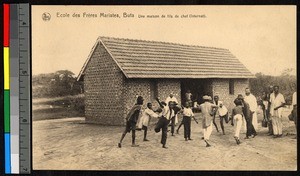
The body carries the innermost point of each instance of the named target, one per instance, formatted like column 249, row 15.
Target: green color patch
column 6, row 111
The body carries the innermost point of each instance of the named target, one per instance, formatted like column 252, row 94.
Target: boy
column 163, row 122
column 223, row 114
column 145, row 119
column 237, row 116
column 131, row 120
column 187, row 115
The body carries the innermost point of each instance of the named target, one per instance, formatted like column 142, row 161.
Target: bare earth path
column 70, row 144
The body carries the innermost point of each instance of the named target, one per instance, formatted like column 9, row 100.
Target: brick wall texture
column 167, row 86
column 221, row 87
column 103, row 84
column 109, row 95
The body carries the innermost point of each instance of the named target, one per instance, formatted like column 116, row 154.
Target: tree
column 286, row 82
column 60, row 83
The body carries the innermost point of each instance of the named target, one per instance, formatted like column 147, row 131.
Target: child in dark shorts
column 131, row 121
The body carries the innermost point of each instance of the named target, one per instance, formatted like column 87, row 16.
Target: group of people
column 244, row 113
column 272, row 103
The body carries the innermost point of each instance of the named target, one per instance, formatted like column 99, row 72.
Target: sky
column 263, row 38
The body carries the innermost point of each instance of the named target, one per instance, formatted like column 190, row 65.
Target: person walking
column 237, row 119
column 206, row 109
column 277, row 102
column 248, row 117
column 252, row 101
column 131, row 120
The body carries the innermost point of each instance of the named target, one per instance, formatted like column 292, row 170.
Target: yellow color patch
column 6, row 67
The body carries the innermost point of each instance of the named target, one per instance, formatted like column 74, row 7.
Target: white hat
column 205, row 97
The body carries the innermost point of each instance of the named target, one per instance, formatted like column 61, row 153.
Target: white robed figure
column 172, row 98
column 251, row 100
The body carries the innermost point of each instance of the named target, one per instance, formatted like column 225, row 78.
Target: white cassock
column 251, row 100
column 167, row 102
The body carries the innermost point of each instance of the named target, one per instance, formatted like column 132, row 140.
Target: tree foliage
column 286, row 82
column 60, row 83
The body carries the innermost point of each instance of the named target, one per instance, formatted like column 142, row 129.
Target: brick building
column 117, row 70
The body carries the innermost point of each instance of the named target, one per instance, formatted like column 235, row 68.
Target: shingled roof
column 151, row 59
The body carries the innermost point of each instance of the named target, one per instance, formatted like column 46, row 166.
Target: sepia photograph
column 200, row 88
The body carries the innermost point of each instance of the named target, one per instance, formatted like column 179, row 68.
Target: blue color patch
column 7, row 153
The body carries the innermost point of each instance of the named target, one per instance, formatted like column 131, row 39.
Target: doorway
column 198, row 88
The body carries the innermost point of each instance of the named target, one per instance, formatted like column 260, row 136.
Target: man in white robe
column 251, row 100
column 277, row 102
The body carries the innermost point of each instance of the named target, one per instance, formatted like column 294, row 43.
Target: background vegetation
column 286, row 81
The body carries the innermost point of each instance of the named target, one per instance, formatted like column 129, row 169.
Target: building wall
column 167, row 86
column 103, row 84
column 221, row 87
column 132, row 89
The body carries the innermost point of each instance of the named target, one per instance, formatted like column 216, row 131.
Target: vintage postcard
column 164, row 88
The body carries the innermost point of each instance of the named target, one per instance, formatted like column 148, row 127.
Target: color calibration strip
column 6, row 15
column 14, row 87
column 16, row 61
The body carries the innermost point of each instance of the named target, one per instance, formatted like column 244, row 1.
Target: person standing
column 215, row 102
column 131, row 120
column 264, row 103
column 277, row 102
column 171, row 98
column 188, row 97
column 237, row 117
column 248, row 117
column 163, row 122
column 187, row 116
column 206, row 109
column 252, row 101
column 145, row 119
column 270, row 126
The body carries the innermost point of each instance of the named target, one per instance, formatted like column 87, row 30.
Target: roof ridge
column 189, row 61
column 162, row 42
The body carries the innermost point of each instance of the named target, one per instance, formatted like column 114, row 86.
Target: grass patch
column 58, row 107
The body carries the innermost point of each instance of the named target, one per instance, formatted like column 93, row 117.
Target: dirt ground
column 71, row 144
